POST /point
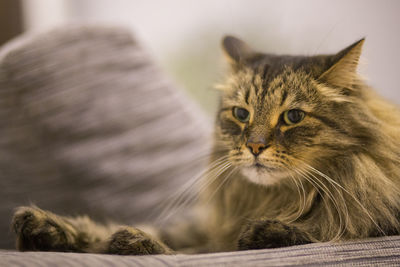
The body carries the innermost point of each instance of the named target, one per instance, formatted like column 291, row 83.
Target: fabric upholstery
column 373, row 252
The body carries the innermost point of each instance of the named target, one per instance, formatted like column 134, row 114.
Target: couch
column 89, row 124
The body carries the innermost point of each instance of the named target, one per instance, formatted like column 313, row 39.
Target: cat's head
column 281, row 114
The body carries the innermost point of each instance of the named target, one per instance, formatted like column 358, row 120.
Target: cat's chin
column 263, row 176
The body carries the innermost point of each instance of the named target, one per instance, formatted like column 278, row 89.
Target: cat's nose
column 256, row 148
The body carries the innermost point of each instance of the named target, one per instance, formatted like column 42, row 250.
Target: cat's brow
column 247, row 96
column 284, row 96
column 254, row 83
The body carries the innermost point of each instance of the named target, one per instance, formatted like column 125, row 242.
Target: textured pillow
column 89, row 125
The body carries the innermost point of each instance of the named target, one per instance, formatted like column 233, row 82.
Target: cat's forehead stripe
column 247, row 96
column 284, row 96
column 254, row 83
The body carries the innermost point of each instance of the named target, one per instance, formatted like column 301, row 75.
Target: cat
column 304, row 152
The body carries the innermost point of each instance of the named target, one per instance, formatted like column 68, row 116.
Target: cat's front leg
column 40, row 230
column 270, row 234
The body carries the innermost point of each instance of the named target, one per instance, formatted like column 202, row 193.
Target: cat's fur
column 334, row 175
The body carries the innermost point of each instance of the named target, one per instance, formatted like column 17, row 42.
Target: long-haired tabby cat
column 306, row 152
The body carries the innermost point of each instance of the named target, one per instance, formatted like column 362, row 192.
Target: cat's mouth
column 262, row 167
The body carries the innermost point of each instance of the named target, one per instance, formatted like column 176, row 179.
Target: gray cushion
column 89, row 125
column 372, row 252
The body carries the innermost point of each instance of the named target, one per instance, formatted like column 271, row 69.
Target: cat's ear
column 343, row 72
column 237, row 52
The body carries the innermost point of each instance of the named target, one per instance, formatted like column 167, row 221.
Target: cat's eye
column 293, row 116
column 241, row 114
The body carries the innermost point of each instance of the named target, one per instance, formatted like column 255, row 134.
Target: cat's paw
column 270, row 234
column 132, row 241
column 40, row 230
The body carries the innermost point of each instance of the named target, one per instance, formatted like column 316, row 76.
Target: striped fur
column 335, row 175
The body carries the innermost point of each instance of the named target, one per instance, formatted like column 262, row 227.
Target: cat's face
column 276, row 119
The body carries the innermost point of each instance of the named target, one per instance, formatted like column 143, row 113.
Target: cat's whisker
column 343, row 206
column 312, row 183
column 302, row 198
column 318, row 185
column 186, row 188
column 190, row 184
column 351, row 195
column 342, row 222
column 193, row 180
column 193, row 197
column 202, row 182
column 211, row 180
column 206, row 154
column 221, row 184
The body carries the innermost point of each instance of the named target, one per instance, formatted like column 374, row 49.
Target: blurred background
column 184, row 35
